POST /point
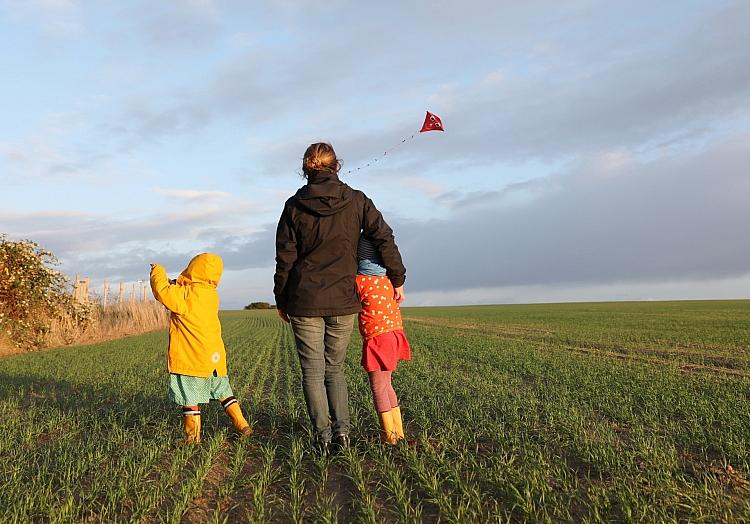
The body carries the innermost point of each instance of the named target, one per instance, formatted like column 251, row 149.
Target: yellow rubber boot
column 191, row 420
column 388, row 434
column 232, row 407
column 398, row 424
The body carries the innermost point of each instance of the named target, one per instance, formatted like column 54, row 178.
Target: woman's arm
column 375, row 228
column 286, row 256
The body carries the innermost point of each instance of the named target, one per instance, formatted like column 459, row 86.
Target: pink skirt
column 382, row 352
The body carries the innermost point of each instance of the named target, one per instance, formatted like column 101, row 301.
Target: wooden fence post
column 81, row 289
column 106, row 294
column 122, row 293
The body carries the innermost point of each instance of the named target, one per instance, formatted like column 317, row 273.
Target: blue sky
column 594, row 150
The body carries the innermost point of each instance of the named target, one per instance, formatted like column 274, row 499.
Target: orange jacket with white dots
column 380, row 312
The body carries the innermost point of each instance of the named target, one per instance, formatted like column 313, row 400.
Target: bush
column 260, row 305
column 33, row 294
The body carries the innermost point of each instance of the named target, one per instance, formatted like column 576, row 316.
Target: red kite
column 431, row 123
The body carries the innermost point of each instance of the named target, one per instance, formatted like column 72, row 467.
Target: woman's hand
column 398, row 294
column 283, row 315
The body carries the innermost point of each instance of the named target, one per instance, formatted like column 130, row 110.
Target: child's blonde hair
column 320, row 157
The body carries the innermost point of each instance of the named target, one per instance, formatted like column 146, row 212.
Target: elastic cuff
column 228, row 402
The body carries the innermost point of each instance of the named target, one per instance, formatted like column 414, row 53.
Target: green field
column 575, row 412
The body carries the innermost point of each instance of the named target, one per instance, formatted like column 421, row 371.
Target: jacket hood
column 324, row 194
column 205, row 268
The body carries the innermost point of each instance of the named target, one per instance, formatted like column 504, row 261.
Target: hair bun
column 320, row 157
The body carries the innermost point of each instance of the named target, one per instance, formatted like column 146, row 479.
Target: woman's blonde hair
column 320, row 157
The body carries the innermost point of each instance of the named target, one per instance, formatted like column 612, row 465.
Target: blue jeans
column 370, row 267
column 321, row 346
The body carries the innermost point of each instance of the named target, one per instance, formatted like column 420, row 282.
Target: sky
column 594, row 150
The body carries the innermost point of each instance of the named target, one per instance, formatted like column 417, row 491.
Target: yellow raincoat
column 195, row 345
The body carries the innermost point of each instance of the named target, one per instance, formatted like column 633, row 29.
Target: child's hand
column 398, row 294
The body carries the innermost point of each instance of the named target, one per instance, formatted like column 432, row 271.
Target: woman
column 315, row 283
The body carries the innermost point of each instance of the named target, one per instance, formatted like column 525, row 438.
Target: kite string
column 385, row 153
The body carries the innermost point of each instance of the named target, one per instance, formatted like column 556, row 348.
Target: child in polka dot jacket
column 384, row 342
column 197, row 359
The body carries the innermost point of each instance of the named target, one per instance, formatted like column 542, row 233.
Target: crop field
column 635, row 412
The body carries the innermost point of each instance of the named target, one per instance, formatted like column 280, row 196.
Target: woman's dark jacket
column 316, row 248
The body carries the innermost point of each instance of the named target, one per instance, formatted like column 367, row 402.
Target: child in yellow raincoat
column 197, row 360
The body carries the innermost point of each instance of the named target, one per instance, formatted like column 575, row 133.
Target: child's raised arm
column 171, row 295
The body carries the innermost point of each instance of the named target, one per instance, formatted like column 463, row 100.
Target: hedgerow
column 33, row 294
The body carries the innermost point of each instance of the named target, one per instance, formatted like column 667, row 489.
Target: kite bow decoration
column 431, row 123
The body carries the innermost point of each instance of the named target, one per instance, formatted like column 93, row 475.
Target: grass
column 578, row 412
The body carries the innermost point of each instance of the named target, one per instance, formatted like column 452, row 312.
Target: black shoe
column 341, row 442
column 322, row 447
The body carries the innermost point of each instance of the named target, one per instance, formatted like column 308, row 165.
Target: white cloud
column 178, row 24
column 191, row 194
column 55, row 19
column 421, row 184
column 50, row 150
column 493, row 79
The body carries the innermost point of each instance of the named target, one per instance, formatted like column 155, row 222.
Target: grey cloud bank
column 677, row 218
column 680, row 217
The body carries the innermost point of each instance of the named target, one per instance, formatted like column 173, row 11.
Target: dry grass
column 6, row 347
column 114, row 321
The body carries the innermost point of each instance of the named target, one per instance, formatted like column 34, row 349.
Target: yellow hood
column 205, row 268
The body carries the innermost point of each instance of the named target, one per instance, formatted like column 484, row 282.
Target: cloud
column 42, row 159
column 572, row 84
column 53, row 150
column 312, row 80
column 514, row 192
column 191, row 194
column 574, row 103
column 102, row 247
column 421, row 184
column 70, row 234
column 677, row 217
column 178, row 23
column 239, row 252
column 54, row 19
column 696, row 80
column 567, row 98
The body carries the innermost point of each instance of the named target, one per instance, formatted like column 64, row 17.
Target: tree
column 259, row 305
